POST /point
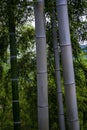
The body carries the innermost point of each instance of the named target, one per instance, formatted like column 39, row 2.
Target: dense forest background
column 26, row 67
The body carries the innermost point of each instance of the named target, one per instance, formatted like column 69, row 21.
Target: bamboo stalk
column 13, row 57
column 42, row 84
column 67, row 61
column 57, row 72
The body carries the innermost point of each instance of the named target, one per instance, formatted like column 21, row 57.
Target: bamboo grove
column 42, row 70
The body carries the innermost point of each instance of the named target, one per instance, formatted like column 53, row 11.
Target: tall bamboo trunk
column 68, row 72
column 13, row 56
column 42, row 89
column 58, row 77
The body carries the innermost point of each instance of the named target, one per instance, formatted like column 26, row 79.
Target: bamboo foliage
column 13, row 56
column 57, row 72
column 42, row 84
column 67, row 61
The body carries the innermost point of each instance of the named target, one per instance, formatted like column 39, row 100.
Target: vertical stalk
column 68, row 72
column 13, row 56
column 57, row 71
column 42, row 84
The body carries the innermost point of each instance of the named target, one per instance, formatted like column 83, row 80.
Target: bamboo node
column 12, row 57
column 55, row 48
column 61, row 114
column 72, row 120
column 57, row 69
column 64, row 45
column 61, row 3
column 17, row 122
column 14, row 101
column 59, row 92
column 40, row 36
column 14, row 79
column 41, row 72
column 42, row 106
column 11, row 33
column 69, row 83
